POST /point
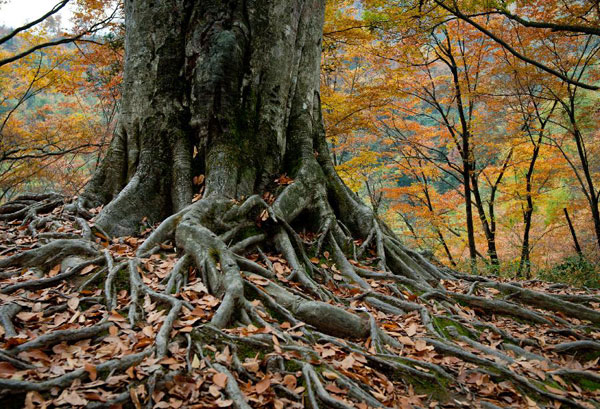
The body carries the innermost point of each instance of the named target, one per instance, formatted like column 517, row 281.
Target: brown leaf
column 258, row 280
column 116, row 317
column 14, row 341
column 332, row 387
column 93, row 396
column 196, row 362
column 214, row 390
column 283, row 180
column 556, row 391
column 347, row 363
column 88, row 269
column 148, row 331
column 421, row 346
column 220, row 379
column 251, row 365
column 73, row 303
column 134, row 398
column 224, row 403
column 113, row 330
column 412, row 329
column 55, row 270
column 7, row 370
column 330, row 375
column 264, row 215
column 406, row 341
column 198, row 180
column 28, row 316
column 72, row 398
column 130, row 372
column 263, row 385
column 290, row 381
column 91, row 370
column 34, row 400
column 223, row 357
column 144, row 342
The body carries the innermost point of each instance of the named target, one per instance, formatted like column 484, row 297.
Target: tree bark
column 236, row 81
column 464, row 147
column 488, row 228
column 573, row 233
column 525, row 262
column 230, row 90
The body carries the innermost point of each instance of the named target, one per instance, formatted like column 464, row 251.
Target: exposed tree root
column 224, row 323
column 7, row 314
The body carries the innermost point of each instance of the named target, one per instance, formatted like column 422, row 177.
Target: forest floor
column 65, row 343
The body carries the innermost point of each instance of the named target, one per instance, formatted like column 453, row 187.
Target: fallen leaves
column 284, row 180
column 7, row 370
column 91, row 370
column 220, row 379
column 331, row 375
column 73, row 303
column 71, row 398
column 263, row 384
column 204, row 387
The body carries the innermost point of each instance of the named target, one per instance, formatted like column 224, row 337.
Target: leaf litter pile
column 88, row 321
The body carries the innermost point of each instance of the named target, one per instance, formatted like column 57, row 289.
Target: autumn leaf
column 220, row 379
column 330, row 375
column 91, row 370
column 263, row 384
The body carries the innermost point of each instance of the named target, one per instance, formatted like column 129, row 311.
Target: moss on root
column 438, row 389
column 583, row 382
column 442, row 324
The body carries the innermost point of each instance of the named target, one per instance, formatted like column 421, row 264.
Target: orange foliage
column 58, row 105
column 404, row 87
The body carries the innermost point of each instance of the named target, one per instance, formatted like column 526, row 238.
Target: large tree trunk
column 230, row 90
column 235, row 81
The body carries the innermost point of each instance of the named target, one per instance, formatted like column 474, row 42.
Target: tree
column 577, row 18
column 226, row 151
column 406, row 34
column 535, row 115
column 454, row 72
column 208, row 103
column 92, row 27
column 57, row 99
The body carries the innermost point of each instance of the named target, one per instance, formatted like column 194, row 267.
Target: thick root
column 231, row 324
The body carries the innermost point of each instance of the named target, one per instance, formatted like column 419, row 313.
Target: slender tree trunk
column 469, row 210
column 489, row 230
column 446, row 249
column 573, row 233
column 589, row 180
column 525, row 263
column 596, row 217
column 466, row 154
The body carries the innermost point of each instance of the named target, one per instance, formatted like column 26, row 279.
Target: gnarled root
column 199, row 305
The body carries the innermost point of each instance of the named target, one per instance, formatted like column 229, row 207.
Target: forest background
column 470, row 126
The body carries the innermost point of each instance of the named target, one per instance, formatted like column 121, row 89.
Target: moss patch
column 583, row 382
column 442, row 324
